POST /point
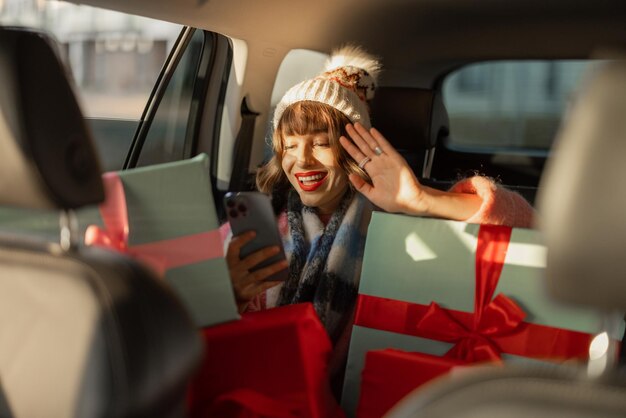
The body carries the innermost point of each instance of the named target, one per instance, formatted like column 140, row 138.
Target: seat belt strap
column 239, row 179
column 5, row 409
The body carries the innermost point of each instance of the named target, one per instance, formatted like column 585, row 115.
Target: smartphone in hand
column 252, row 211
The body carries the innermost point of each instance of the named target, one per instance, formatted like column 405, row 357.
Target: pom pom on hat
column 347, row 83
column 353, row 68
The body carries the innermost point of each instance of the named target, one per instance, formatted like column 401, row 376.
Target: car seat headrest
column 582, row 199
column 49, row 160
column 411, row 118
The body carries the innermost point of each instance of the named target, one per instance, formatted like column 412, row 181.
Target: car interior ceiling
column 433, row 28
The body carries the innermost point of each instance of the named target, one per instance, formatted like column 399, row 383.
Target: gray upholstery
column 516, row 392
column 412, row 119
column 583, row 197
column 84, row 332
column 48, row 158
column 415, row 118
column 89, row 334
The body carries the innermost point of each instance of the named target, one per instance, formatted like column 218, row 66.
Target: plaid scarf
column 325, row 261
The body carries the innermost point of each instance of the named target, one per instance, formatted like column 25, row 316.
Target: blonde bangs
column 307, row 117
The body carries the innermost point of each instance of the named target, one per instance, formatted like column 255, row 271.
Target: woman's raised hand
column 247, row 284
column 394, row 187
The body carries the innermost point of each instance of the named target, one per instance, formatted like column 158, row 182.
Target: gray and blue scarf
column 325, row 260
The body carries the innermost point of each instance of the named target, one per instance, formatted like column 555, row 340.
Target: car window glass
column 115, row 60
column 165, row 140
column 509, row 104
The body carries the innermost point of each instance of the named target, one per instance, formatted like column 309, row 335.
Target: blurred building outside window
column 115, row 58
column 510, row 104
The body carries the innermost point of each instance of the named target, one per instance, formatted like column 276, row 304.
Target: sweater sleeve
column 500, row 206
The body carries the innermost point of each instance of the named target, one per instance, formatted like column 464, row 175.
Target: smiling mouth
column 311, row 181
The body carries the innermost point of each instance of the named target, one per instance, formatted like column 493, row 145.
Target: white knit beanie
column 347, row 83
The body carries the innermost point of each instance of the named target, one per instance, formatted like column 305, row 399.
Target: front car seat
column 582, row 204
column 83, row 332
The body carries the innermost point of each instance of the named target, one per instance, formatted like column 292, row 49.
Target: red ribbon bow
column 492, row 318
column 160, row 255
column 500, row 318
column 495, row 326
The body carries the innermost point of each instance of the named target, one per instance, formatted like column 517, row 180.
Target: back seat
column 415, row 120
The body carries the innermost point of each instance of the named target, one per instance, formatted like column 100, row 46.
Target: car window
column 165, row 140
column 115, row 59
column 509, row 104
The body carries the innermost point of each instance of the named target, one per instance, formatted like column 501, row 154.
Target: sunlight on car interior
column 353, row 209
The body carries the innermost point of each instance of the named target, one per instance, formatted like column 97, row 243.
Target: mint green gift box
column 167, row 203
column 164, row 202
column 421, row 260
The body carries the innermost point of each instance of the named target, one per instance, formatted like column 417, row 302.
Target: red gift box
column 389, row 375
column 271, row 363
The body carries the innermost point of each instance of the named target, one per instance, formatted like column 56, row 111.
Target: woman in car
column 326, row 186
column 324, row 194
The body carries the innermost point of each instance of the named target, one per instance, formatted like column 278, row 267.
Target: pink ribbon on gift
column 160, row 255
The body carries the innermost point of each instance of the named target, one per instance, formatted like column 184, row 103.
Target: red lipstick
column 311, row 180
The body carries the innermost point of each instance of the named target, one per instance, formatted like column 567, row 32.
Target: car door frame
column 210, row 80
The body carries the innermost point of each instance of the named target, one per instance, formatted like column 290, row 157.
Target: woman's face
column 311, row 167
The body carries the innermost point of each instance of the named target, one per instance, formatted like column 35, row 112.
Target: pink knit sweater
column 500, row 206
